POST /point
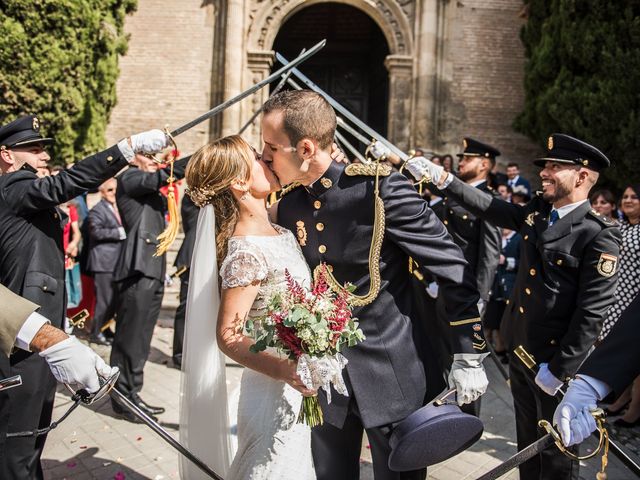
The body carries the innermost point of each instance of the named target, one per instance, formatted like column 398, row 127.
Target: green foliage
column 582, row 78
column 59, row 60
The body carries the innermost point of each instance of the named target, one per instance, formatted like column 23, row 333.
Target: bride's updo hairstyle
column 210, row 173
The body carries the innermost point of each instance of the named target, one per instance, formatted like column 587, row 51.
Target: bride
column 230, row 183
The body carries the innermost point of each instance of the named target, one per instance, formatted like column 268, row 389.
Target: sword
column 155, row 426
column 343, row 111
column 224, row 105
column 531, row 364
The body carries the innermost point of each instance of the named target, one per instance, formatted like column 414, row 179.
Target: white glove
column 72, row 362
column 468, row 376
column 150, row 141
column 547, row 381
column 572, row 415
column 378, row 150
column 420, row 167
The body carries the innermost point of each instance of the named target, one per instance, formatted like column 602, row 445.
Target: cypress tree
column 582, row 78
column 59, row 60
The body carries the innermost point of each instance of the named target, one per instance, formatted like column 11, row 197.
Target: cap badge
column 464, row 143
column 301, row 233
column 550, row 143
column 585, row 162
column 326, row 183
column 36, row 124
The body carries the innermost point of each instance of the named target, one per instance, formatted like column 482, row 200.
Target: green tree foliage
column 582, row 78
column 59, row 60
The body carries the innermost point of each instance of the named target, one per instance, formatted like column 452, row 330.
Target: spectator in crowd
column 435, row 159
column 627, row 289
column 514, row 178
column 447, row 162
column 504, row 191
column 604, row 202
column 520, row 195
column 106, row 234
column 503, row 284
column 139, row 275
column 497, row 177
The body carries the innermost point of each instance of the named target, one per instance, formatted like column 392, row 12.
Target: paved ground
column 93, row 444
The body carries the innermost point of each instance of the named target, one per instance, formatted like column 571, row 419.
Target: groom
column 333, row 219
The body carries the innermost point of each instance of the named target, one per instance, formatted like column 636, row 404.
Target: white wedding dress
column 271, row 445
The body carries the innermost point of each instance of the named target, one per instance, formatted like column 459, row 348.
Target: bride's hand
column 290, row 376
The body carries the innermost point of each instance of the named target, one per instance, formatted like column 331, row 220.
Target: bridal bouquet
column 311, row 327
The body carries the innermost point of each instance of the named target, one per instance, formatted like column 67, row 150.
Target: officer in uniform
column 565, row 283
column 364, row 222
column 479, row 240
column 189, row 213
column 32, row 265
column 139, row 274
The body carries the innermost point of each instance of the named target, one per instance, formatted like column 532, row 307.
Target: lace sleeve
column 243, row 267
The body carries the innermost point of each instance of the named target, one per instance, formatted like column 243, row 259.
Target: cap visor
column 540, row 162
column 33, row 141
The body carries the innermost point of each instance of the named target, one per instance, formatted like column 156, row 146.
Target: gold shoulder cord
column 170, row 233
column 376, row 242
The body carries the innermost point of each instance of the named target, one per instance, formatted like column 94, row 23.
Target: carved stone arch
column 267, row 17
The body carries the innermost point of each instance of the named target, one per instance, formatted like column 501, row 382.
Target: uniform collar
column 328, row 179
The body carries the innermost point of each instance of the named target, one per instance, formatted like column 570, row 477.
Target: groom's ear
column 306, row 149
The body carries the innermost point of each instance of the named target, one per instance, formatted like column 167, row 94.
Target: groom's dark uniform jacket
column 333, row 221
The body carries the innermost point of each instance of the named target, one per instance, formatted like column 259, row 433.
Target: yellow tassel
column 170, row 233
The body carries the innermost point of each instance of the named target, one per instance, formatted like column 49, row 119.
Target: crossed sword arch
column 284, row 74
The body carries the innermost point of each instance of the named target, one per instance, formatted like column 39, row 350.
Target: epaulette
column 367, row 169
column 604, row 220
column 289, row 188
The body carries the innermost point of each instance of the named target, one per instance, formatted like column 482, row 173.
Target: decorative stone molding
column 267, row 16
column 400, row 69
column 259, row 64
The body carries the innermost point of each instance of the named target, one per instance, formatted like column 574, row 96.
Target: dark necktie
column 553, row 217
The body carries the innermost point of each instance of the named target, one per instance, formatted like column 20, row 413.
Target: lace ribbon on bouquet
column 323, row 372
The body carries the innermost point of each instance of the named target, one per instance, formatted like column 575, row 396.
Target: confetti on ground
column 82, row 447
column 71, row 464
column 119, row 476
column 138, row 439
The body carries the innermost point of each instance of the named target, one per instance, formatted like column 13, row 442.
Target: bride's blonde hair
column 210, row 173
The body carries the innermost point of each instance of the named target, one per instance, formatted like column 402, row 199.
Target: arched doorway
column 351, row 66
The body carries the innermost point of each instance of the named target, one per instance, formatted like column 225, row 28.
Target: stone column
column 400, row 69
column 233, row 64
column 259, row 65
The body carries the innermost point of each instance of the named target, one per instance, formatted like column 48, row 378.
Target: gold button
column 319, row 226
column 559, row 261
column 44, row 288
column 532, row 272
column 330, row 268
column 464, row 217
column 317, row 204
column 322, row 249
column 521, row 310
column 446, row 222
column 450, row 211
column 553, row 341
column 55, row 215
column 526, row 237
column 109, row 158
column 528, row 291
column 507, row 302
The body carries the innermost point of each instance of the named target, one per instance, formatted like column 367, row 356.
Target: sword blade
column 522, row 456
column 129, row 405
column 223, row 106
column 346, row 113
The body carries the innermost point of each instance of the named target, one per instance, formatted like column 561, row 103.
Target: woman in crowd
column 604, row 202
column 628, row 288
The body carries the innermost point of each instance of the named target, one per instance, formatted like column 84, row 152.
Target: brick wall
column 485, row 88
column 166, row 75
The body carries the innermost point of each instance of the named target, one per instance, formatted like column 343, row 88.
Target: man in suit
column 106, row 234
column 189, row 213
column 32, row 265
column 514, row 179
column 565, row 283
column 335, row 221
column 612, row 366
column 139, row 275
column 71, row 362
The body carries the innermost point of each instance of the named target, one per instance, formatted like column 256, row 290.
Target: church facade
column 424, row 73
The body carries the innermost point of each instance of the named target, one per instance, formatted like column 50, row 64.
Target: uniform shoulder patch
column 289, row 188
column 605, row 221
column 607, row 264
column 368, row 169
